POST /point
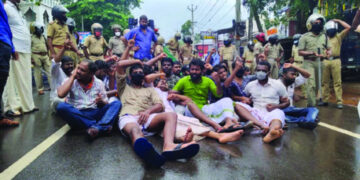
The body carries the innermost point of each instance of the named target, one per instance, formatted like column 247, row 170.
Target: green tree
column 105, row 12
column 186, row 28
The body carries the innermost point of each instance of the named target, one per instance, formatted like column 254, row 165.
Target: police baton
column 320, row 74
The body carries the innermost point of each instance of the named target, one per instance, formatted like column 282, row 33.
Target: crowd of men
column 132, row 82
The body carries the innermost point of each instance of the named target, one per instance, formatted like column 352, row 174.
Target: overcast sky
column 169, row 15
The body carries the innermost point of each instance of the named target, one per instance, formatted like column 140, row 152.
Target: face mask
column 331, row 32
column 71, row 28
column 260, row 75
column 143, row 26
column 272, row 41
column 195, row 77
column 316, row 28
column 63, row 18
column 38, row 32
column 227, row 43
column 117, row 34
column 289, row 81
column 98, row 34
column 137, row 78
column 240, row 73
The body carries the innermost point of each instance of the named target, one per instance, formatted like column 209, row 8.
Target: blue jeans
column 305, row 117
column 100, row 118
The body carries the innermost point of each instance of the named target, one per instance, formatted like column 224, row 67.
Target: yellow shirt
column 334, row 43
column 38, row 44
column 94, row 45
column 228, row 53
column 57, row 33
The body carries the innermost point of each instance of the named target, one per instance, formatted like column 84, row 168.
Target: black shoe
column 323, row 104
column 10, row 113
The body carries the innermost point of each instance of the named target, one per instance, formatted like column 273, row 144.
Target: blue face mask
column 143, row 26
column 260, row 75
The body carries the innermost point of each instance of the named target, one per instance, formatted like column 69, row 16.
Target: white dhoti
column 17, row 94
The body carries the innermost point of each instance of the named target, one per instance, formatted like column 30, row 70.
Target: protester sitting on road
column 143, row 114
column 269, row 96
column 107, row 75
column 305, row 117
column 177, row 69
column 166, row 67
column 86, row 105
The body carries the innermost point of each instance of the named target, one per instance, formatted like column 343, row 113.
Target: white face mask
column 260, row 75
column 117, row 33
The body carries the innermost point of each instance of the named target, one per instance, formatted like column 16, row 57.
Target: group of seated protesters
column 182, row 104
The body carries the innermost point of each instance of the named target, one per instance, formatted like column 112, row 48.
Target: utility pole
column 237, row 18
column 250, row 27
column 192, row 9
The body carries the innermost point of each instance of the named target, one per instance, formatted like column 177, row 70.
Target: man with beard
column 86, row 105
column 249, row 57
column 95, row 45
column 313, row 46
column 116, row 43
column 143, row 115
column 274, row 52
column 305, row 117
column 177, row 69
column 39, row 57
column 332, row 64
column 228, row 53
column 143, row 36
column 57, row 30
column 166, row 67
column 269, row 96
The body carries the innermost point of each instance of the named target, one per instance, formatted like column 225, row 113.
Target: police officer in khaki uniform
column 95, row 45
column 332, row 64
column 40, row 57
column 259, row 46
column 159, row 48
column 228, row 52
column 249, row 57
column 296, row 59
column 174, row 45
column 73, row 51
column 312, row 46
column 116, row 43
column 274, row 52
column 186, row 51
column 57, row 30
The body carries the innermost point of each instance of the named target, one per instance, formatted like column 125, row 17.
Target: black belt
column 333, row 58
column 92, row 54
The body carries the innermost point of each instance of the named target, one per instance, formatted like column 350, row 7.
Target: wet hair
column 66, row 59
column 91, row 66
column 100, row 64
column 185, row 68
column 197, row 62
column 135, row 66
column 217, row 67
column 144, row 17
column 167, row 60
column 147, row 69
column 265, row 63
column 286, row 70
column 176, row 62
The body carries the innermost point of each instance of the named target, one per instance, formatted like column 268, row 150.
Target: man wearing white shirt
column 17, row 96
column 269, row 96
column 305, row 117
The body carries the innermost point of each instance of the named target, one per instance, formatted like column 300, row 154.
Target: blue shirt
column 215, row 59
column 237, row 89
column 143, row 40
column 5, row 32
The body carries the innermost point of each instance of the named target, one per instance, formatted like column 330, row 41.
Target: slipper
column 184, row 153
column 231, row 129
column 146, row 151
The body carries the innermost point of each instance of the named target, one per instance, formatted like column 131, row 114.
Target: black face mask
column 272, row 41
column 317, row 28
column 71, row 28
column 38, row 32
column 331, row 32
column 240, row 73
column 137, row 78
column 195, row 77
column 227, row 43
column 289, row 82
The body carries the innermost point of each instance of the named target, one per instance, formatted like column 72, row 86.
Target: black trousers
column 5, row 55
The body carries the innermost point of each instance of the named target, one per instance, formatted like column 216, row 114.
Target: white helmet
column 331, row 25
column 312, row 18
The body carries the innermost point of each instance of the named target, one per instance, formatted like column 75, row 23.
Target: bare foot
column 230, row 137
column 272, row 135
column 189, row 135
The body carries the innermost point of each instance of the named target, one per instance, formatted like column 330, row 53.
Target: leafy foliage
column 105, row 12
column 186, row 28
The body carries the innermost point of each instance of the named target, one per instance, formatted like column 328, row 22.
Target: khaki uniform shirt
column 159, row 49
column 38, row 44
column 273, row 50
column 186, row 52
column 135, row 100
column 311, row 42
column 334, row 43
column 57, row 33
column 173, row 44
column 117, row 45
column 258, row 48
column 228, row 53
column 249, row 57
column 295, row 54
column 94, row 45
column 73, row 39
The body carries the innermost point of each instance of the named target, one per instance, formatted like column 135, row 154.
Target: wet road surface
column 300, row 154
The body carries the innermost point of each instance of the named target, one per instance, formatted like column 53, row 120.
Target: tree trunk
column 250, row 28
column 257, row 19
